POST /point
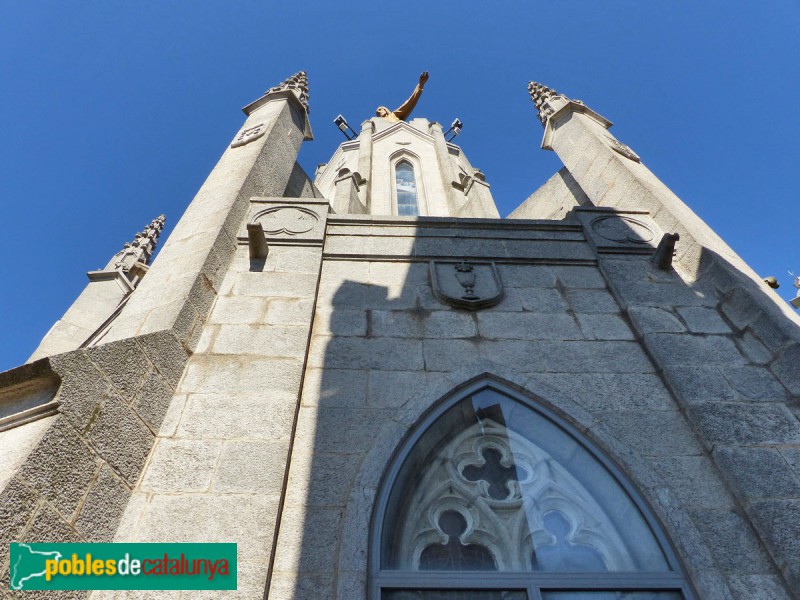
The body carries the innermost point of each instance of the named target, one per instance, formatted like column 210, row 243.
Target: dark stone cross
column 493, row 472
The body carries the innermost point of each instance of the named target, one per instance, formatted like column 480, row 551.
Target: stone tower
column 379, row 389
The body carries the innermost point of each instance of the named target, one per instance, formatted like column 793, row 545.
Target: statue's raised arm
column 403, row 112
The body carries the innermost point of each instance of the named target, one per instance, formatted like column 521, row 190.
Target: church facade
column 379, row 389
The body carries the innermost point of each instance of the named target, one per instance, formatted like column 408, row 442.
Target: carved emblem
column 248, row 135
column 623, row 230
column 470, row 285
column 622, row 149
column 289, row 220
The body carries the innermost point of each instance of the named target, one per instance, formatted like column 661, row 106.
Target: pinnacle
column 148, row 239
column 298, row 83
column 540, row 94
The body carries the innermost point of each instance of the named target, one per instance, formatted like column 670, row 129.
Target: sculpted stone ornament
column 611, row 231
column 298, row 83
column 288, row 220
column 404, row 111
column 248, row 135
column 465, row 273
column 141, row 249
column 295, row 91
column 543, row 97
column 623, row 149
column 623, row 230
column 549, row 104
column 470, row 285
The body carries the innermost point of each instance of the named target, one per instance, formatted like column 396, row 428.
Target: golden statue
column 402, row 113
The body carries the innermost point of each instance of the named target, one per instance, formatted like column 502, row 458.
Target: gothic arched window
column 406, row 189
column 493, row 498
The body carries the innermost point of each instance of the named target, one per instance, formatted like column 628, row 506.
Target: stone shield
column 466, row 284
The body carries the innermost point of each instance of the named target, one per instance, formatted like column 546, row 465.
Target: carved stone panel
column 249, row 134
column 289, row 223
column 289, row 220
column 471, row 285
column 623, row 149
column 611, row 231
column 622, row 230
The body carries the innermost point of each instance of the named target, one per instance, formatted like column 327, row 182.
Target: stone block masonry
column 76, row 482
column 716, row 335
column 218, row 468
column 384, row 349
column 114, row 398
column 259, row 399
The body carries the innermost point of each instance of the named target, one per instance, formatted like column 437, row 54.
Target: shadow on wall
column 691, row 382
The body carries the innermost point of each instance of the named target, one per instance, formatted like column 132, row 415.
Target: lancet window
column 494, row 498
column 406, row 189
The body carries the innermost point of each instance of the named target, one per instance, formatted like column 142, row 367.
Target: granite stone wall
column 260, row 400
column 76, row 482
column 384, row 349
column 724, row 343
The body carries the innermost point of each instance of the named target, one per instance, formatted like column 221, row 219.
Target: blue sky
column 114, row 112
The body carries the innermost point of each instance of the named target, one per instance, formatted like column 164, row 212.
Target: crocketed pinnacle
column 144, row 243
column 540, row 94
column 297, row 83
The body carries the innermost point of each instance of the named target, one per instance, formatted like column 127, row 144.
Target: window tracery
column 492, row 492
